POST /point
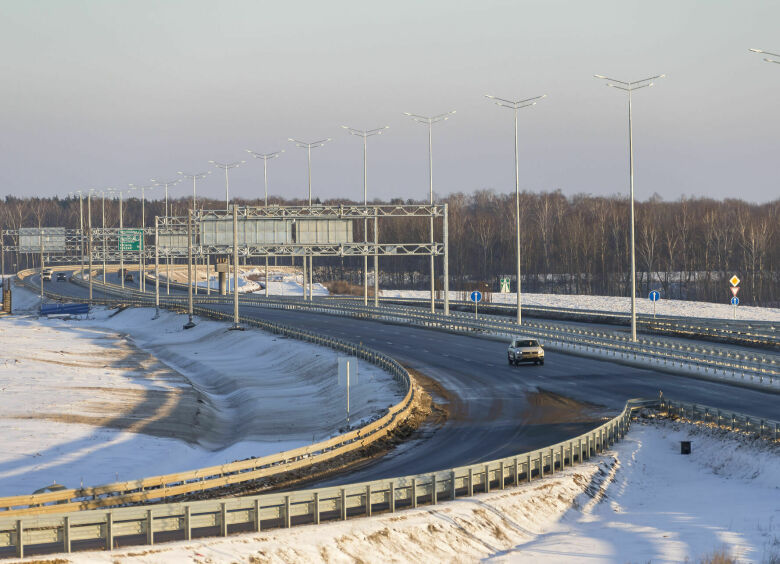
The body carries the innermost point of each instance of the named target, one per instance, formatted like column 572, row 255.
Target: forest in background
column 687, row 248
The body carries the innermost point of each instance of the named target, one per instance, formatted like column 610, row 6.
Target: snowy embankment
column 120, row 397
column 614, row 304
column 641, row 502
column 282, row 281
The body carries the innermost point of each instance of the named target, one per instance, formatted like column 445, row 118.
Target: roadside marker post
column 654, row 296
column 348, row 374
column 476, row 297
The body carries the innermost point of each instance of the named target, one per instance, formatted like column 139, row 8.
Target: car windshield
column 529, row 343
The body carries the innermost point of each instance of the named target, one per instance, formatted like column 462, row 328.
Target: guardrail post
column 454, row 487
column 563, row 457
column 255, row 515
column 315, row 508
column 487, row 479
column 516, row 472
column 414, row 492
column 391, row 500
column 66, row 534
column 433, row 489
column 109, row 530
column 579, row 448
column 343, row 504
column 149, row 527
column 19, row 541
column 528, row 468
column 187, row 523
column 552, row 461
column 541, row 464
column 471, row 483
column 368, row 500
column 222, row 519
column 287, row 517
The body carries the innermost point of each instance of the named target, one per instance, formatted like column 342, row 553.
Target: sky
column 102, row 94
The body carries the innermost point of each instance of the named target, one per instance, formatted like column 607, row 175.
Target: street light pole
column 767, row 59
column 266, row 157
column 194, row 177
column 309, row 146
column 226, row 167
column 516, row 105
column 142, row 249
column 365, row 134
column 629, row 88
column 429, row 121
column 166, row 184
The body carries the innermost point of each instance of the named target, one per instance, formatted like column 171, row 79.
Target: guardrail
column 759, row 334
column 161, row 487
column 176, row 521
column 717, row 363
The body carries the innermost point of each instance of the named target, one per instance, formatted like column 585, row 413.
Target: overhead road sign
column 131, row 239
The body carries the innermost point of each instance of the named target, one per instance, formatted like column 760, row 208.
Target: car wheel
column 510, row 361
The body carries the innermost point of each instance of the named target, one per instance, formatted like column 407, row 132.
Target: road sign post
column 734, row 281
column 654, row 296
column 476, row 297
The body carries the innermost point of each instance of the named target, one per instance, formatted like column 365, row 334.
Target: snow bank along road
column 494, row 410
column 80, row 400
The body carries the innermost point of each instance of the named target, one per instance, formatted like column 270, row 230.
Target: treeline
column 687, row 248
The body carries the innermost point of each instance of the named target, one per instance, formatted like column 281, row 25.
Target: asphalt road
column 495, row 410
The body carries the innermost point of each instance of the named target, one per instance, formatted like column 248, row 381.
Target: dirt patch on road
column 548, row 407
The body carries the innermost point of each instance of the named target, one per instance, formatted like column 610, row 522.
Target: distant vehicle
column 525, row 350
column 46, row 274
column 61, row 277
column 128, row 277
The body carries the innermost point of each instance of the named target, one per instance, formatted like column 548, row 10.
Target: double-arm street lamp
column 309, row 146
column 767, row 59
column 166, row 184
column 142, row 249
column 226, row 167
column 266, row 157
column 195, row 176
column 429, row 121
column 629, row 88
column 517, row 105
column 365, row 134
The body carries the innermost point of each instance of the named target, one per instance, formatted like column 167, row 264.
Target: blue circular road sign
column 735, row 300
column 476, row 296
column 654, row 296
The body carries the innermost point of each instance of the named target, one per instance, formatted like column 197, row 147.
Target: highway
column 495, row 410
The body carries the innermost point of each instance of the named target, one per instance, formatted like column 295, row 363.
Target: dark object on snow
column 685, row 447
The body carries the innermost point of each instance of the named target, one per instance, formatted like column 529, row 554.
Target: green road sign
column 131, row 240
column 504, row 284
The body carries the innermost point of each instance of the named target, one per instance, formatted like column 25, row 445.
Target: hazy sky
column 101, row 94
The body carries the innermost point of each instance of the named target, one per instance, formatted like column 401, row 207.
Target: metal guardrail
column 757, row 367
column 712, row 362
column 203, row 479
column 221, row 517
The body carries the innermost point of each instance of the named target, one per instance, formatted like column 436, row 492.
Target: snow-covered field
column 282, row 281
column 124, row 396
column 640, row 502
column 615, row 304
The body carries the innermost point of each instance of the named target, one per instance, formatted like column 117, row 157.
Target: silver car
column 525, row 350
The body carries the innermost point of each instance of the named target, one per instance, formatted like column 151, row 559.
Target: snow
column 283, row 281
column 681, row 308
column 642, row 501
column 120, row 397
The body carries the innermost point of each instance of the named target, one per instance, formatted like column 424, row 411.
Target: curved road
column 496, row 410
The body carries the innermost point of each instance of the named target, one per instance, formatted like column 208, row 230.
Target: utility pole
column 190, row 324
column 516, row 105
column 235, row 268
column 429, row 121
column 266, row 157
column 365, row 134
column 309, row 146
column 630, row 87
